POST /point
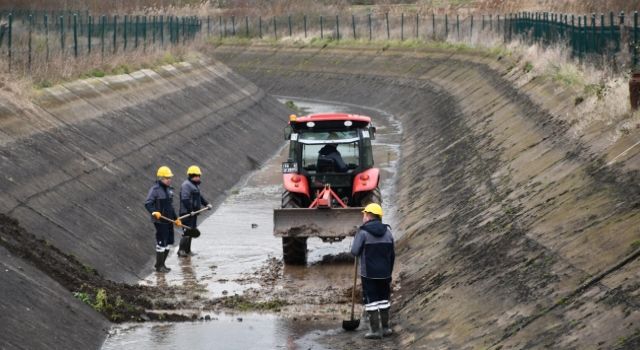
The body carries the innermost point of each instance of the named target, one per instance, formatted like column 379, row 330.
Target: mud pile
column 519, row 229
column 76, row 162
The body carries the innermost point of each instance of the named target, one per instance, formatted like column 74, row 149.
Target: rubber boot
column 384, row 319
column 183, row 249
column 188, row 246
column 159, row 261
column 164, row 258
column 374, row 326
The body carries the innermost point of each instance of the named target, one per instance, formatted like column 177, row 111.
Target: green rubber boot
column 384, row 319
column 159, row 262
column 374, row 326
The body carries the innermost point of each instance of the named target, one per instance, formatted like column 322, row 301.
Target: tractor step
column 316, row 222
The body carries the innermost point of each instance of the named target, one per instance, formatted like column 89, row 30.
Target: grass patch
column 292, row 106
column 114, row 309
column 241, row 303
column 528, row 67
column 567, row 74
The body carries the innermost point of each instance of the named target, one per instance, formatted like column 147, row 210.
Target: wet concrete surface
column 237, row 254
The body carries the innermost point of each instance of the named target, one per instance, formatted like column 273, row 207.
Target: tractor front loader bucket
column 316, row 222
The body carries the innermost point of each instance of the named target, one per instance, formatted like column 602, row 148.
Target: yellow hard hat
column 373, row 208
column 164, row 171
column 194, row 170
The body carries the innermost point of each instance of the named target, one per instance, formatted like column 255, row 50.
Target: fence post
column 246, row 26
column 471, row 30
column 290, row 29
column 613, row 34
column 10, row 40
column 304, row 19
column 46, row 35
column 386, row 16
column 433, row 25
column 144, row 33
column 161, row 27
column 124, row 34
column 594, row 37
column 635, row 42
column 154, row 30
column 353, row 25
column 233, row 25
column 370, row 27
column 337, row 27
column 417, row 26
column 260, row 25
column 103, row 23
column 634, row 83
column 115, row 34
column 321, row 28
column 75, row 35
column 402, row 26
column 482, row 22
column 30, row 41
column 275, row 28
column 458, row 26
column 61, row 20
column 89, row 33
column 446, row 27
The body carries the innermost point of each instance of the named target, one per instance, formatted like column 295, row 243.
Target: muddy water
column 233, row 254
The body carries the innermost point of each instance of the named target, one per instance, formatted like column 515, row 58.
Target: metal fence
column 27, row 36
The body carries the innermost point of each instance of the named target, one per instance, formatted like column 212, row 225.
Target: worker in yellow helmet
column 374, row 246
column 191, row 200
column 159, row 203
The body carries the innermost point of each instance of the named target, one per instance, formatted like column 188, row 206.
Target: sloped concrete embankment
column 77, row 160
column 519, row 218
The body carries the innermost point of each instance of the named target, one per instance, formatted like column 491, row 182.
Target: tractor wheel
column 373, row 196
column 294, row 249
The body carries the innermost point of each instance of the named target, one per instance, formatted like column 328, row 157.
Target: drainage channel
column 238, row 255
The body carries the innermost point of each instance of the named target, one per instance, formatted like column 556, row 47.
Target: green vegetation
column 114, row 309
column 292, row 106
column 568, row 74
column 242, row 303
column 528, row 67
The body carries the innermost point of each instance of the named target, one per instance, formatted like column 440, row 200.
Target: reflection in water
column 225, row 331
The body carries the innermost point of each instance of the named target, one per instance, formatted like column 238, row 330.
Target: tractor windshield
column 312, row 160
column 324, row 137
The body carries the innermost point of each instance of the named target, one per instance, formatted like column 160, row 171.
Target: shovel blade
column 350, row 325
column 305, row 222
column 192, row 232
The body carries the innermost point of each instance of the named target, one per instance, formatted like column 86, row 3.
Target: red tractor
column 328, row 178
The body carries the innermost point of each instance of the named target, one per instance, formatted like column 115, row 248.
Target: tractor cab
column 330, row 150
column 328, row 177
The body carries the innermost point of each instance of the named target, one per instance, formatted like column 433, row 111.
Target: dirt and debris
column 118, row 302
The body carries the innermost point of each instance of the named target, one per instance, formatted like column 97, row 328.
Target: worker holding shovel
column 374, row 245
column 159, row 203
column 191, row 202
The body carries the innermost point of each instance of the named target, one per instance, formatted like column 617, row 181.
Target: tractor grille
column 318, row 181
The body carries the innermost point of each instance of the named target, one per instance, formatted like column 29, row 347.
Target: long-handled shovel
column 352, row 324
column 189, row 232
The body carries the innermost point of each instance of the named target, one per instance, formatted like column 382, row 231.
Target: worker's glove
column 178, row 222
column 209, row 206
column 156, row 214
